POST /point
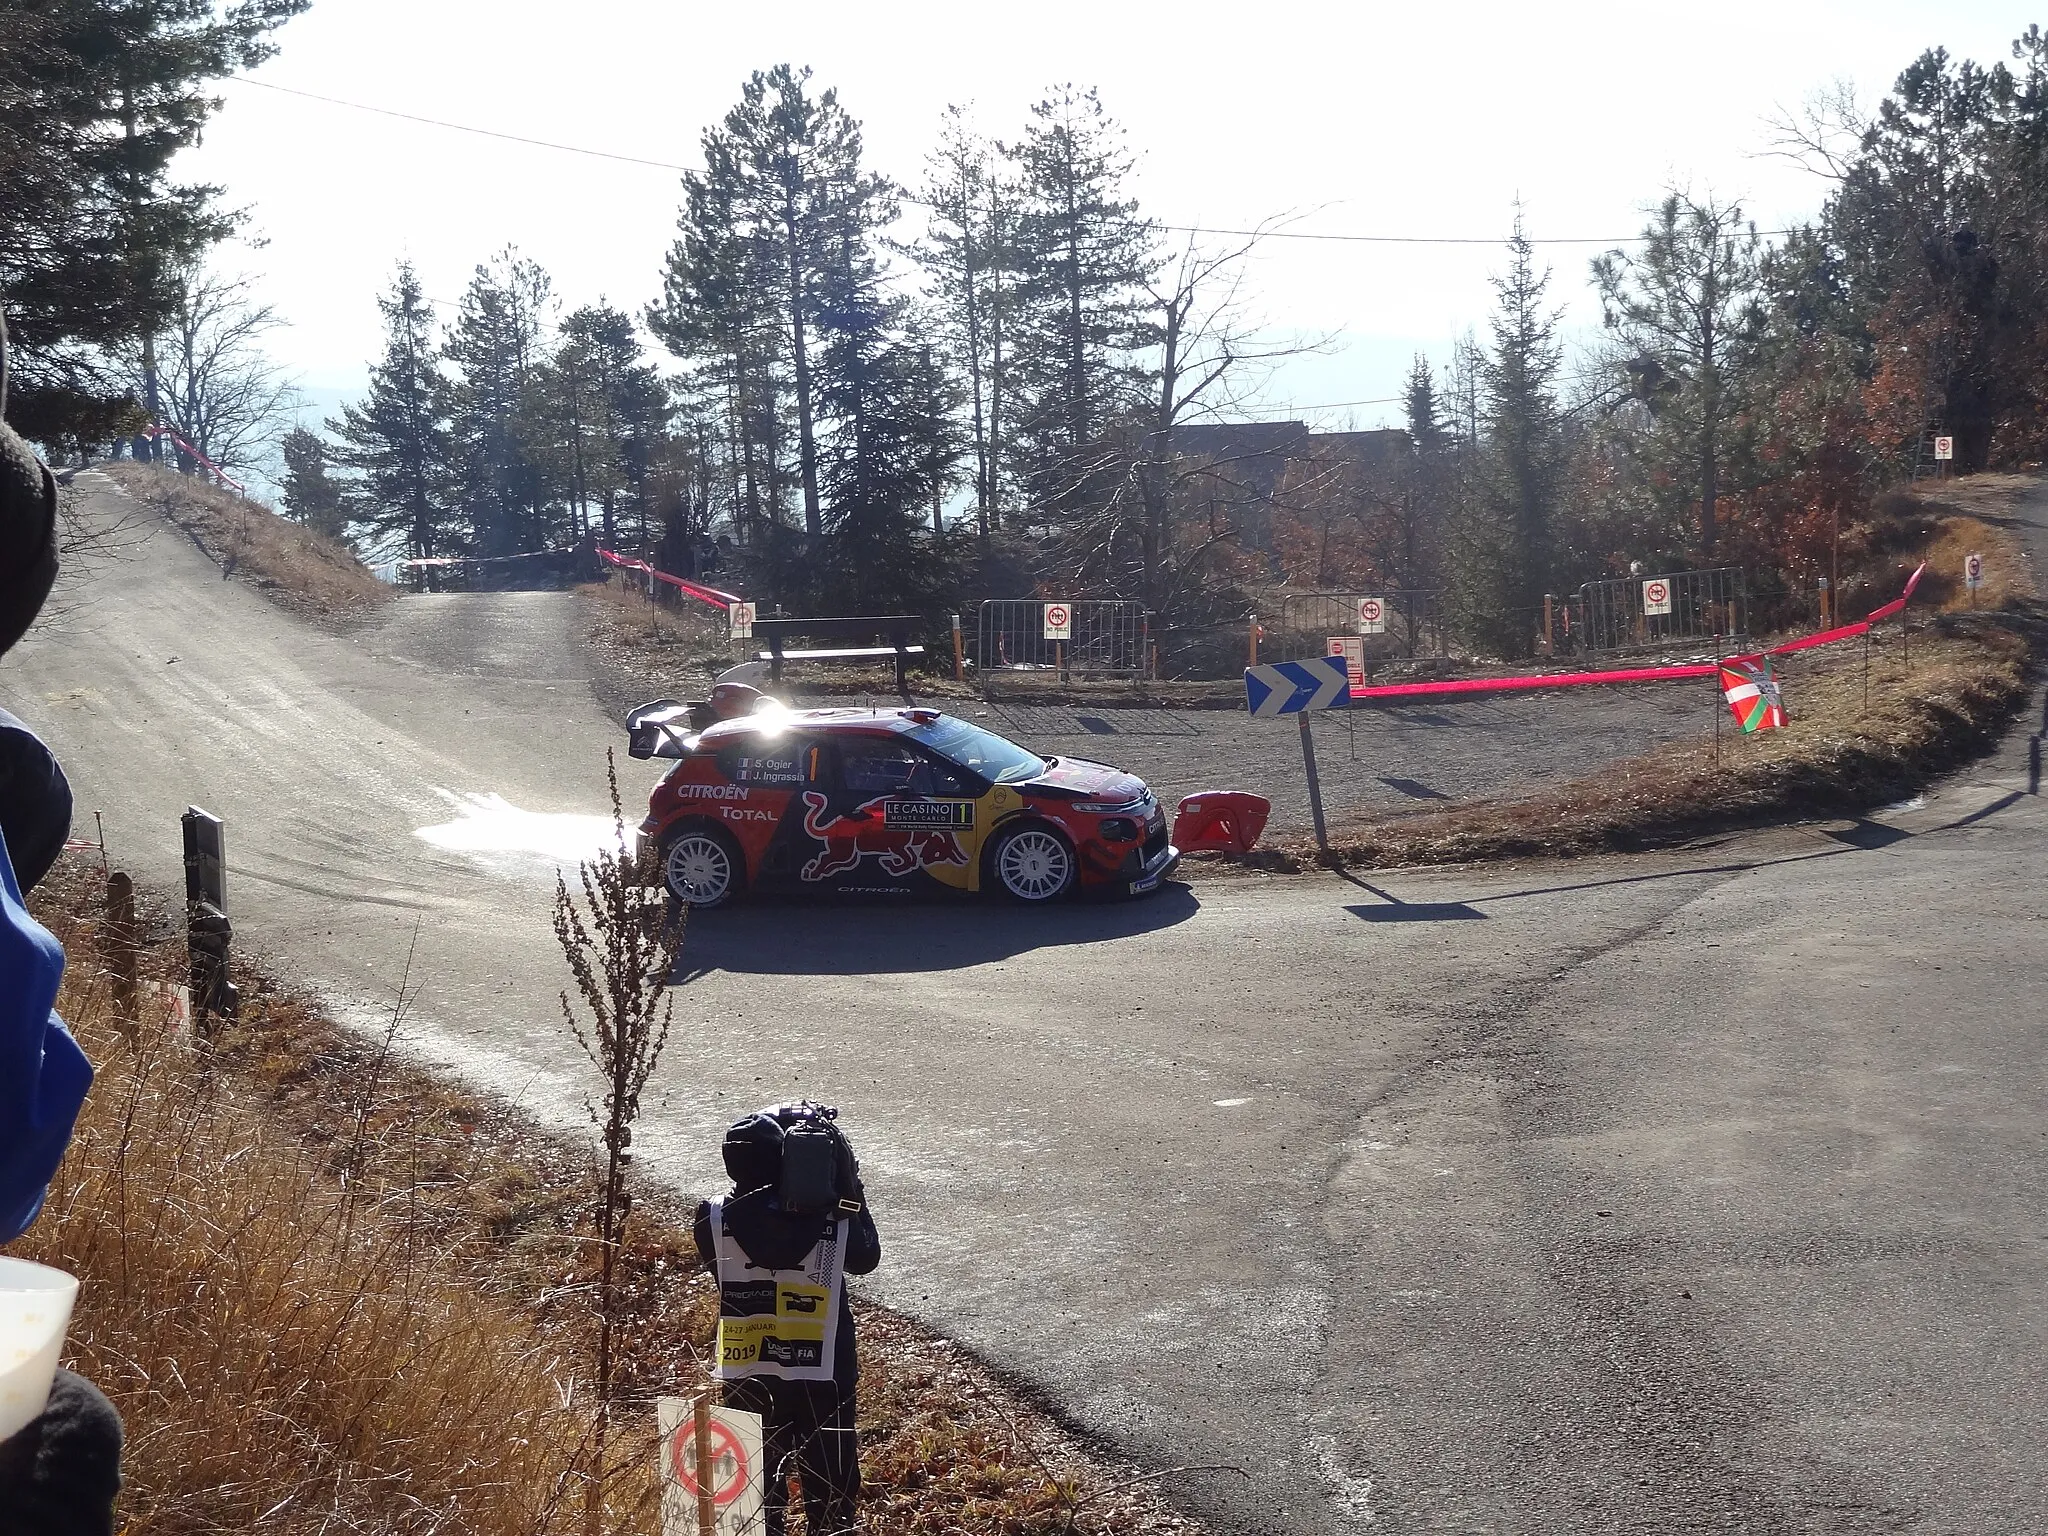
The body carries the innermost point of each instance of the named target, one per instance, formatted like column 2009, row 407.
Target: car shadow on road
column 818, row 938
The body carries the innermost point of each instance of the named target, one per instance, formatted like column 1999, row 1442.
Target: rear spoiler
column 664, row 727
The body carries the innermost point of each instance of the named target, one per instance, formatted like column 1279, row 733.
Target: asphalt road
column 1678, row 1193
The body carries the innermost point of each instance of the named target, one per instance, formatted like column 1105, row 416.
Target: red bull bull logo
column 866, row 832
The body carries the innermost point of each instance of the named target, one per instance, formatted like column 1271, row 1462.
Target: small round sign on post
column 728, row 1462
column 1944, row 449
column 1059, row 621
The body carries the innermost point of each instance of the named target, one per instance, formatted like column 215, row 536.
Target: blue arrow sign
column 1290, row 687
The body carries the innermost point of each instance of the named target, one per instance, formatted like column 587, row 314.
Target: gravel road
column 1675, row 1193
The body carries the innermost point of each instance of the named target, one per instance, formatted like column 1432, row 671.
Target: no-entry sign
column 1372, row 615
column 742, row 616
column 1656, row 595
column 1352, row 649
column 1944, row 448
column 1059, row 621
column 732, row 1468
column 1973, row 571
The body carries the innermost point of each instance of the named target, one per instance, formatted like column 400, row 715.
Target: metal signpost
column 1300, row 688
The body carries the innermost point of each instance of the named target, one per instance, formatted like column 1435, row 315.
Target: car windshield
column 984, row 752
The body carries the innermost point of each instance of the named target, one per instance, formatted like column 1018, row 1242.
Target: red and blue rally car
column 886, row 802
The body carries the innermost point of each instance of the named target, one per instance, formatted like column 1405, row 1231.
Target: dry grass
column 332, row 1292
column 302, row 570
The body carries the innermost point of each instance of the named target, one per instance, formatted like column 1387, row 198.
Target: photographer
column 780, row 1247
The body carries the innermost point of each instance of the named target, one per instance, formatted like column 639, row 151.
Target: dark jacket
column 775, row 1241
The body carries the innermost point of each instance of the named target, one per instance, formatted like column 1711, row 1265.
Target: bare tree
column 1211, row 359
column 216, row 388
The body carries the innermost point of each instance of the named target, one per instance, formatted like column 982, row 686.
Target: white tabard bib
column 778, row 1322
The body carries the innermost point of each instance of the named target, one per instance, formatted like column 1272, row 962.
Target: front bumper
column 1154, row 871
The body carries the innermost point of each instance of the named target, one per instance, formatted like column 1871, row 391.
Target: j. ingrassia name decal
column 770, row 770
column 929, row 813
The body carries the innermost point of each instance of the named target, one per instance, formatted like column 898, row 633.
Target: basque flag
column 1752, row 693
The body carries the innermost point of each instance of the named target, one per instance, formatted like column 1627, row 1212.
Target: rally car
column 886, row 802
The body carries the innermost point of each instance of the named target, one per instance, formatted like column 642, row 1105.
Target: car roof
column 867, row 722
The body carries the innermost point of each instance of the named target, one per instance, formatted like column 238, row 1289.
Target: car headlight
column 1109, row 807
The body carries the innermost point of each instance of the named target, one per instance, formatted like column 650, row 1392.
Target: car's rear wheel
column 1033, row 864
column 702, row 867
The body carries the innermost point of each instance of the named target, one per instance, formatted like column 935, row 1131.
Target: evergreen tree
column 1426, row 430
column 1684, row 308
column 969, row 254
column 1086, row 256
column 781, row 194
column 96, row 99
column 496, row 414
column 604, row 408
column 396, row 438
column 311, row 495
column 1502, row 553
column 891, row 446
column 718, row 314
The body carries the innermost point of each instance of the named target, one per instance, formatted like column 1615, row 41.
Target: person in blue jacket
column 60, row 1474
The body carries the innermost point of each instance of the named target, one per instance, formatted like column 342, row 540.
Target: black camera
column 820, row 1174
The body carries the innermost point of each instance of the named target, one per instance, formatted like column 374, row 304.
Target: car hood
column 1075, row 778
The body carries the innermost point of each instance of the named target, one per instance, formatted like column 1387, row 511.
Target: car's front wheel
column 1033, row 864
column 701, row 867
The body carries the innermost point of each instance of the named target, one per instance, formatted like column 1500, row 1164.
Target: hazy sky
column 1427, row 119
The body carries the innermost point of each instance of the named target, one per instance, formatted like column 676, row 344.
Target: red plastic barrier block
column 1220, row 820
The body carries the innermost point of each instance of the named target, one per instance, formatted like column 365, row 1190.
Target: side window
column 871, row 768
column 781, row 764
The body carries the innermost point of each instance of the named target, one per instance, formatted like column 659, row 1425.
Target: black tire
column 702, row 866
column 1033, row 864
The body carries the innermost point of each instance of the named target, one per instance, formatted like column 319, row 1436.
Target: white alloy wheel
column 1034, row 864
column 699, row 869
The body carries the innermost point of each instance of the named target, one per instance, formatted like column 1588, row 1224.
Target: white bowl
column 35, row 1309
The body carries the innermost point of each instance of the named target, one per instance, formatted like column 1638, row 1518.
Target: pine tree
column 781, row 193
column 891, row 444
column 969, row 254
column 1684, row 309
column 718, row 314
column 311, row 495
column 1502, row 548
column 1426, row 430
column 604, row 409
column 97, row 97
column 396, row 438
column 1086, row 256
column 495, row 407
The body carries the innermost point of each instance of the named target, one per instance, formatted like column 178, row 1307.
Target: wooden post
column 1059, row 658
column 1254, row 633
column 959, row 657
column 707, row 1510
column 120, row 948
column 1548, row 648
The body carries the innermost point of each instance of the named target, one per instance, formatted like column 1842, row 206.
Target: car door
column 896, row 820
